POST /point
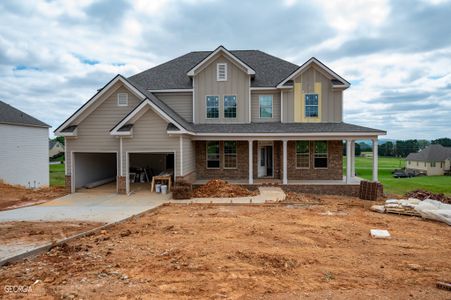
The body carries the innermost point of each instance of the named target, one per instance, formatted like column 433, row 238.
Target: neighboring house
column 55, row 148
column 433, row 160
column 24, row 154
column 245, row 116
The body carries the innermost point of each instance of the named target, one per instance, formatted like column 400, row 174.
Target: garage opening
column 95, row 171
column 143, row 166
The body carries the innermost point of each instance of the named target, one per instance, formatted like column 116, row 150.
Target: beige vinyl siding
column 181, row 103
column 149, row 135
column 237, row 84
column 94, row 130
column 255, row 106
column 288, row 106
column 189, row 160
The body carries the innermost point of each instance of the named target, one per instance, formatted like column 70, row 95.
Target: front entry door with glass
column 265, row 160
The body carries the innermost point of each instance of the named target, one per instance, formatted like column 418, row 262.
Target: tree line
column 402, row 148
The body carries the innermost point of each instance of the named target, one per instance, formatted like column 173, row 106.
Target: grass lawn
column 435, row 184
column 57, row 175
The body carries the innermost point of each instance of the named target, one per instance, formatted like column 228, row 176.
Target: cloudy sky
column 54, row 55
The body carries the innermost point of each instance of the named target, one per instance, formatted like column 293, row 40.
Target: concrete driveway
column 87, row 206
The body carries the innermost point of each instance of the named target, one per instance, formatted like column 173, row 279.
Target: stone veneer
column 121, row 185
column 67, row 183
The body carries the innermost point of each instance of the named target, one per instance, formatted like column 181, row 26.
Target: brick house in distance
column 245, row 116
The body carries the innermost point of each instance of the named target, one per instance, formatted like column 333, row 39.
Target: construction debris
column 443, row 285
column 217, row 188
column 423, row 195
column 379, row 234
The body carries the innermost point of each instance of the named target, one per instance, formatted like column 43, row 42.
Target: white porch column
column 285, row 164
column 352, row 158
column 251, row 169
column 375, row 159
column 348, row 161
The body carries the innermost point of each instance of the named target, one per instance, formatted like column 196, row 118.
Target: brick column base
column 121, row 185
column 67, row 183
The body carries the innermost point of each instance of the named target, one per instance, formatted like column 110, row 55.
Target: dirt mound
column 422, row 194
column 217, row 188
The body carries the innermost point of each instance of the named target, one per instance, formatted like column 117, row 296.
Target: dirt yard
column 14, row 196
column 317, row 249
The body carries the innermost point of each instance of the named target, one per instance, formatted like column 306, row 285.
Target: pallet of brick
column 368, row 190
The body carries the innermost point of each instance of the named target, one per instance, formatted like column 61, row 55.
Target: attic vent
column 122, row 99
column 221, row 72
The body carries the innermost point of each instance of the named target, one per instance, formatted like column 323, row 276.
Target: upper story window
column 229, row 106
column 212, row 107
column 302, row 155
column 321, row 154
column 311, row 105
column 213, row 155
column 221, row 72
column 265, row 103
column 122, row 99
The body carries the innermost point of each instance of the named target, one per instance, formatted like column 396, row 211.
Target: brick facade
column 324, row 189
column 67, row 183
column 121, row 185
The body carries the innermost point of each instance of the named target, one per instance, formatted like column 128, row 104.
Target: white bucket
column 164, row 189
column 158, row 188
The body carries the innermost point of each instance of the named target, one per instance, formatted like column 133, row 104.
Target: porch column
column 251, row 175
column 353, row 158
column 285, row 171
column 375, row 159
column 348, row 161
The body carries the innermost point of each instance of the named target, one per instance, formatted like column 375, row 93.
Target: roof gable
column 12, row 116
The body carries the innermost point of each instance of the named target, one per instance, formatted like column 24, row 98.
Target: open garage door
column 143, row 166
column 95, row 171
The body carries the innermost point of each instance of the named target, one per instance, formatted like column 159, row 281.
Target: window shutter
column 221, row 72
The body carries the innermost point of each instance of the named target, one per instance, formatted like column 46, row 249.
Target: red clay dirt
column 15, row 196
column 217, row 188
column 289, row 251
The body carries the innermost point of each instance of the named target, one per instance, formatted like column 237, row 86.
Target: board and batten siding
column 255, row 106
column 237, row 84
column 181, row 103
column 94, row 130
column 24, row 155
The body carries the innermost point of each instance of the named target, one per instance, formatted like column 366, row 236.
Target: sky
column 54, row 55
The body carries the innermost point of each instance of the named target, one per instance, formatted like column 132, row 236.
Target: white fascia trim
column 263, row 88
column 138, row 109
column 170, row 90
column 306, row 65
column 309, row 134
column 249, row 70
column 93, row 100
column 73, row 133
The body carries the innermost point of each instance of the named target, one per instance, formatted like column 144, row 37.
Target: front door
column 265, row 160
column 262, row 161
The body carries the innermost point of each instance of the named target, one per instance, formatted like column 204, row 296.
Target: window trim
column 126, row 99
column 296, row 154
column 327, row 156
column 259, row 107
column 224, row 156
column 206, row 155
column 224, row 107
column 433, row 164
column 206, row 107
column 305, row 105
column 225, row 72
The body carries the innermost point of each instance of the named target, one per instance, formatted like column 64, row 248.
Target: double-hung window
column 229, row 155
column 212, row 107
column 311, row 105
column 302, row 155
column 265, row 103
column 213, row 155
column 321, row 154
column 229, row 106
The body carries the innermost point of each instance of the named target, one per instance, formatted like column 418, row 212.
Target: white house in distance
column 55, row 148
column 24, row 148
column 433, row 160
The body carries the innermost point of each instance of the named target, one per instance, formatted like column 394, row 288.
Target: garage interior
column 143, row 166
column 95, row 170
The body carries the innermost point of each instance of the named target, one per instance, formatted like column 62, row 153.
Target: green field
column 435, row 184
column 57, row 175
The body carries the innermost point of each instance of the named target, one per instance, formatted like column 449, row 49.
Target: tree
column 59, row 139
column 357, row 149
column 445, row 142
column 364, row 147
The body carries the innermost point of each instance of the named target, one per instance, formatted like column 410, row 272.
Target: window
column 213, row 155
column 321, row 154
column 221, row 72
column 229, row 155
column 229, row 106
column 425, row 164
column 418, row 164
column 311, row 105
column 441, row 164
column 432, row 164
column 302, row 155
column 122, row 99
column 212, row 107
column 265, row 103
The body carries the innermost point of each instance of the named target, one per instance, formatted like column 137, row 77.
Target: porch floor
column 261, row 181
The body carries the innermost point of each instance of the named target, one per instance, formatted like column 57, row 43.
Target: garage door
column 95, row 169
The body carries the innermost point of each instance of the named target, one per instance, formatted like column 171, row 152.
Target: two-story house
column 245, row 116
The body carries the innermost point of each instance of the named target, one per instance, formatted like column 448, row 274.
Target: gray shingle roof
column 269, row 70
column 431, row 153
column 13, row 116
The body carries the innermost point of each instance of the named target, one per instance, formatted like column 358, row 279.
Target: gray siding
column 189, row 160
column 94, row 130
column 237, row 84
column 255, row 106
column 181, row 103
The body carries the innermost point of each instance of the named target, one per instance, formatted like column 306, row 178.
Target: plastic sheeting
column 434, row 210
